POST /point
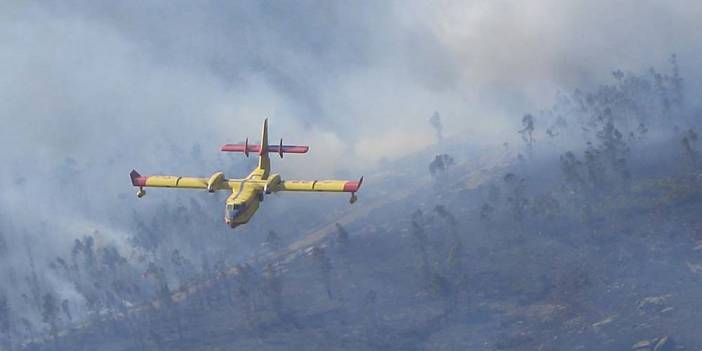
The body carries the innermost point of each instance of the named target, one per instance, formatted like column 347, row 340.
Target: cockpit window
column 233, row 210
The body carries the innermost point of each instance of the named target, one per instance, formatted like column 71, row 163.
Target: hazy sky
column 100, row 87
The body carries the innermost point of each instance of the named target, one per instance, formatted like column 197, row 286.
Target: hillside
column 585, row 237
column 439, row 277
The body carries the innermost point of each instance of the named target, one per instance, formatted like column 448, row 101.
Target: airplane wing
column 211, row 184
column 321, row 185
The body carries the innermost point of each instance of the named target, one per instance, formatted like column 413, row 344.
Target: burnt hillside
column 586, row 236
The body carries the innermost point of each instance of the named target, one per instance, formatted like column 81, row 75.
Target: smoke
column 435, row 122
column 92, row 80
column 89, row 91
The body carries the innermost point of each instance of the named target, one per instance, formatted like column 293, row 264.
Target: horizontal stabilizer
column 255, row 148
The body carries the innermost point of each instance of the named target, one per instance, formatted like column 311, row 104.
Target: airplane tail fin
column 264, row 162
column 263, row 150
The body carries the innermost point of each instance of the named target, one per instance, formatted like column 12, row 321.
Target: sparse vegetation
column 572, row 244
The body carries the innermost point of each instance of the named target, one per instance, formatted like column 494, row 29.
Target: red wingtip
column 137, row 179
column 353, row 187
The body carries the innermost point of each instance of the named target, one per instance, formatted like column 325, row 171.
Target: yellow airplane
column 248, row 193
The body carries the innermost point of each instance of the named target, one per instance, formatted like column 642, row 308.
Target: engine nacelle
column 215, row 182
column 272, row 184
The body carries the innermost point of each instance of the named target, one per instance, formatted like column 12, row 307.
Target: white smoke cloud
column 116, row 86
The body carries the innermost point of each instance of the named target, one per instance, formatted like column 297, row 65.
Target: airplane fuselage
column 242, row 204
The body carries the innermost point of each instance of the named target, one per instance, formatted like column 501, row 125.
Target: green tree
column 273, row 288
column 689, row 143
column 50, row 313
column 343, row 242
column 325, row 268
column 272, row 241
column 5, row 322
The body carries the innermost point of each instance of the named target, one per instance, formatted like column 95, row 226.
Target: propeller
column 280, row 148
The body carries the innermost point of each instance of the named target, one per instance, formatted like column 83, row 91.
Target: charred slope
column 446, row 274
column 566, row 246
